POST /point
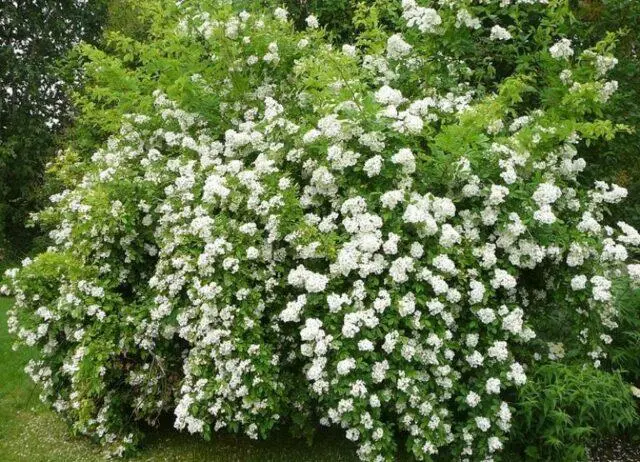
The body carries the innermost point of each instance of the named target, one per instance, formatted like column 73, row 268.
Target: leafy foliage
column 590, row 21
column 33, row 107
column 618, row 159
column 562, row 410
column 625, row 351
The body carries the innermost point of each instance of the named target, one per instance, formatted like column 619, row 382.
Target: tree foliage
column 34, row 35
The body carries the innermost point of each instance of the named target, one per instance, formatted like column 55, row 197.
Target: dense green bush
column 258, row 228
column 562, row 410
column 34, row 34
column 335, row 15
column 625, row 349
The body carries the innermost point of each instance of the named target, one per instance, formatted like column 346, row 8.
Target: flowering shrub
column 367, row 237
column 589, row 21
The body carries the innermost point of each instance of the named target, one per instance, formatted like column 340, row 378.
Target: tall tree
column 34, row 35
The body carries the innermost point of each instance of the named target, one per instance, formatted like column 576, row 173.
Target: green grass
column 29, row 432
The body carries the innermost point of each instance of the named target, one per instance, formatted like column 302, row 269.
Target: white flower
column 566, row 76
column 407, row 305
column 365, row 345
column 406, row 159
column 544, row 215
column 497, row 194
column 556, row 351
column 486, row 315
column 252, row 253
column 498, row 350
column 516, row 374
column 312, row 22
column 315, row 282
column 292, row 312
column 576, row 255
column 503, row 279
column 472, row 399
column 630, row 236
column 562, row 49
column 493, row 386
column 281, row 14
column 513, row 321
column 387, row 95
column 390, row 246
column 475, row 359
column 312, row 282
column 379, row 371
column 601, row 288
column 546, row 193
column 444, row 264
column 215, row 186
column 373, row 166
column 589, row 224
column 579, row 282
column 449, row 237
column 390, row 341
column 345, row 366
column 425, row 19
column 499, row 33
column 476, row 292
column 416, row 250
column 399, row 269
column 605, row 63
column 397, row 47
column 463, row 17
column 391, row 198
column 494, row 444
column 483, row 424
column 349, row 50
column 443, row 208
column 353, row 434
column 231, row 264
column 311, row 330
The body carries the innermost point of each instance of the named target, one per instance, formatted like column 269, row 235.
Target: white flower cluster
column 562, row 49
column 397, row 48
column 425, row 19
column 500, row 33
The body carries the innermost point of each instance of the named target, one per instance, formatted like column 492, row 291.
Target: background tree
column 34, row 110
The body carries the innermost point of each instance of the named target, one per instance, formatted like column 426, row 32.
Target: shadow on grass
column 328, row 445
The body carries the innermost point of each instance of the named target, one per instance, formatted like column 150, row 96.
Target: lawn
column 29, row 432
